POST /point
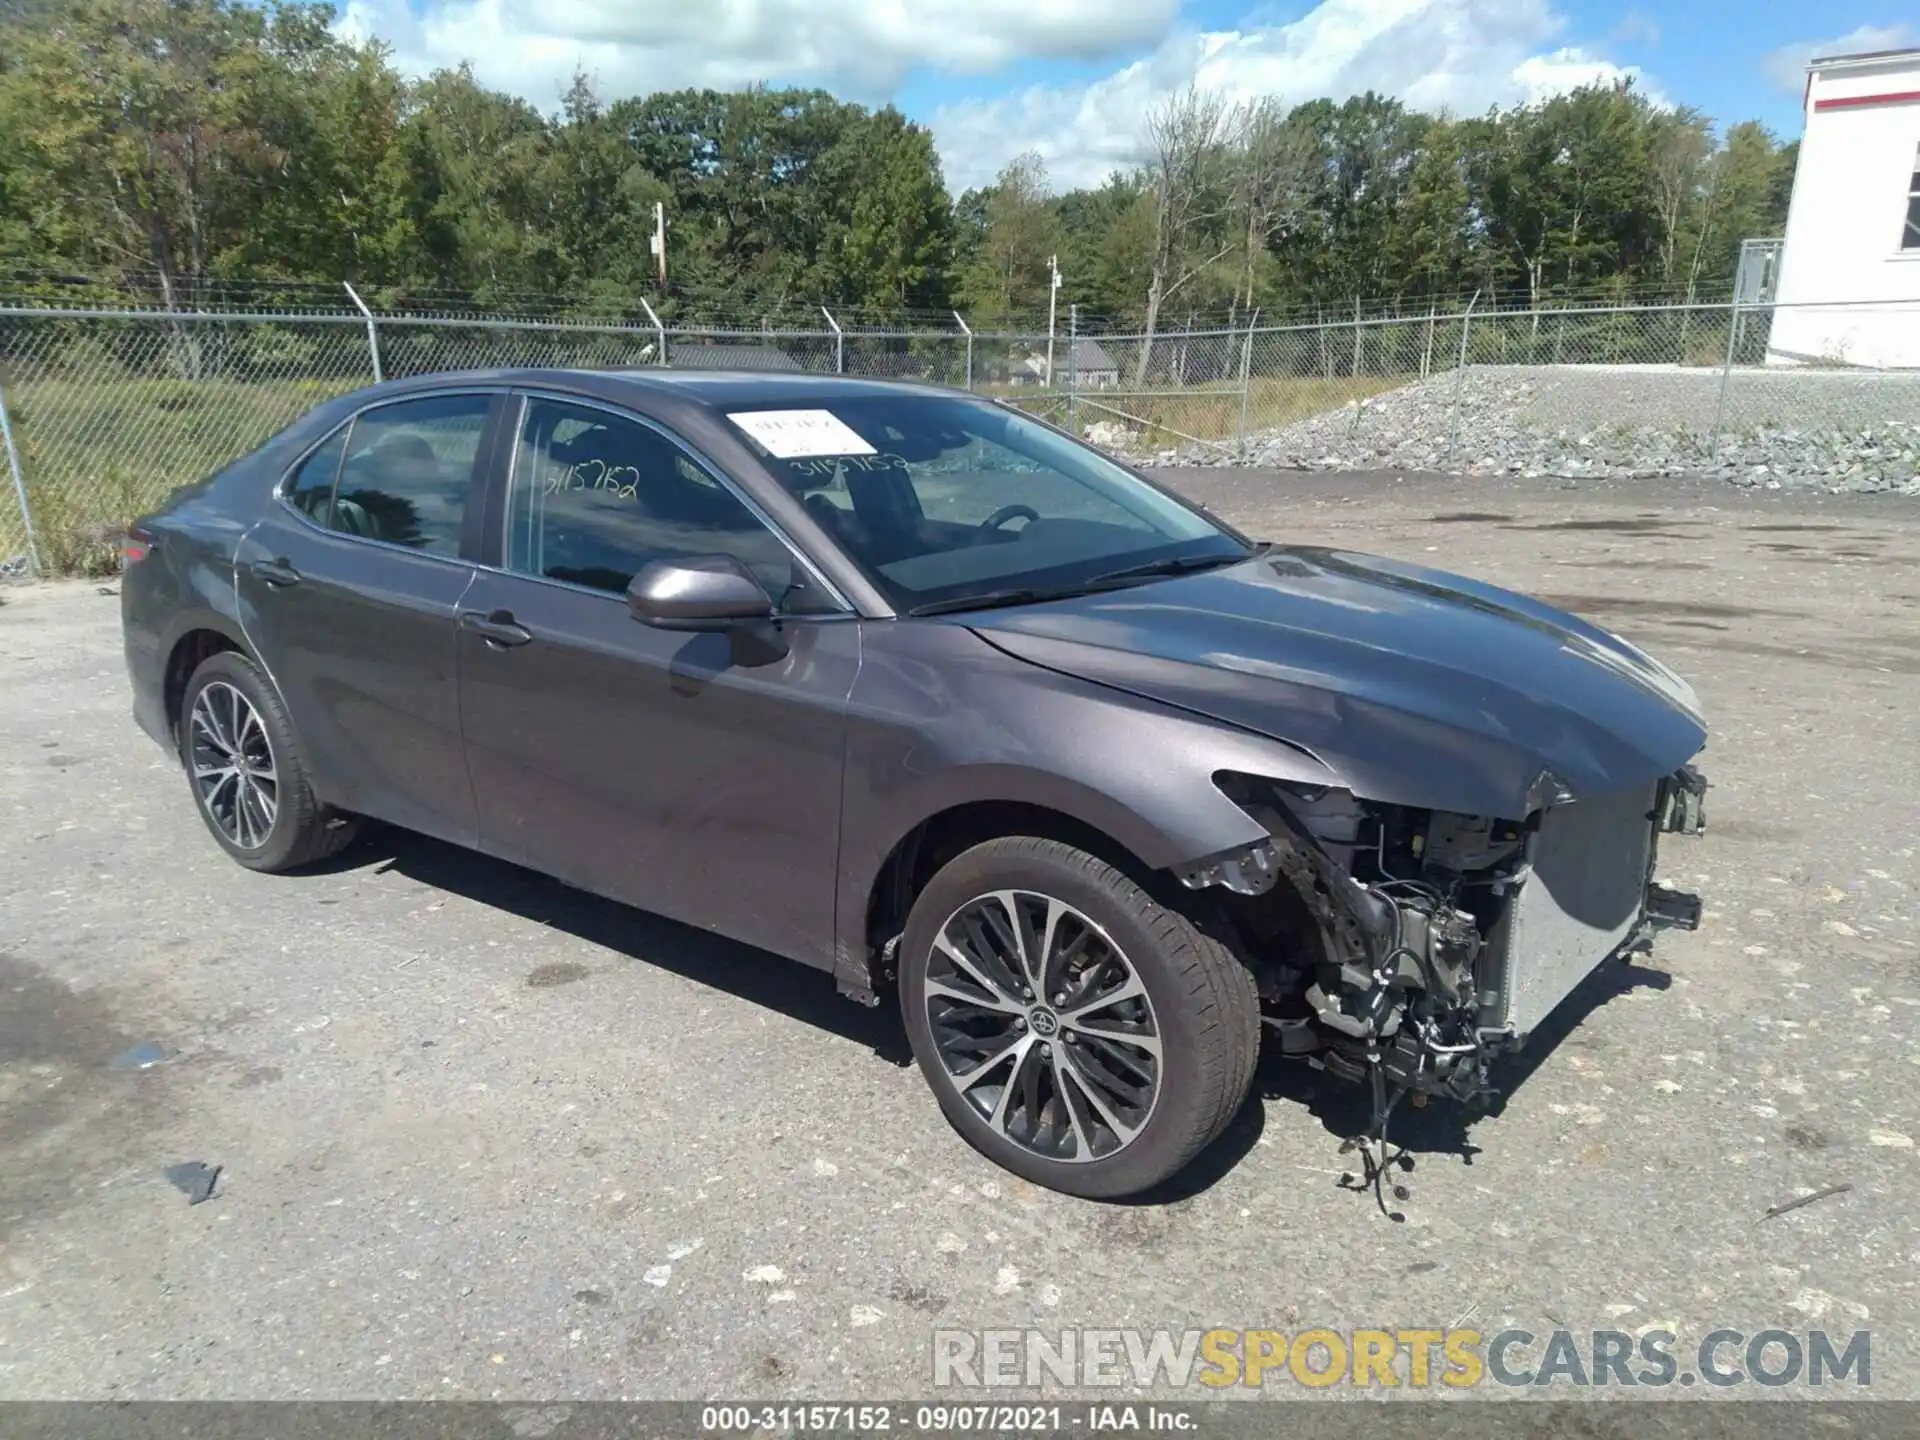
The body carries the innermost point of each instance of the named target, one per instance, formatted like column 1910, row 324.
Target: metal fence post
column 1246, row 375
column 373, row 333
column 1426, row 354
column 839, row 343
column 1460, row 377
column 658, row 329
column 1726, row 372
column 967, row 330
column 20, row 488
column 1073, row 366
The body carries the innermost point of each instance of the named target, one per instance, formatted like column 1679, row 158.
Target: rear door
column 348, row 591
column 696, row 775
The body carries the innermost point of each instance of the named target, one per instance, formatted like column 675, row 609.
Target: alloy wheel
column 1043, row 1025
column 232, row 764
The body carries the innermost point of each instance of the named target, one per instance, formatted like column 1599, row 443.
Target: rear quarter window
column 310, row 488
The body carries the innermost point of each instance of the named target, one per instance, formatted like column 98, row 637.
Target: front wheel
column 1073, row 1029
column 248, row 775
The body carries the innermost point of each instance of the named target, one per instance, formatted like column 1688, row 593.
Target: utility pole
column 657, row 243
column 1053, row 305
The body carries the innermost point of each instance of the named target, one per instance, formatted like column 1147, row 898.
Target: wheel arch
column 880, row 881
column 920, row 853
column 199, row 639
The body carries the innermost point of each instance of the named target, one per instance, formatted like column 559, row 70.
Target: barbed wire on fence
column 728, row 309
column 109, row 408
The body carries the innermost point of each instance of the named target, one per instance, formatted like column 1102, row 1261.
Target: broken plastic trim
column 1681, row 806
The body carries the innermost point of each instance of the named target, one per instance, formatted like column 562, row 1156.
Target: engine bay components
column 1424, row 944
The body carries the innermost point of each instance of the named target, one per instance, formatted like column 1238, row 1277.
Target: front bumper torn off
column 1435, row 955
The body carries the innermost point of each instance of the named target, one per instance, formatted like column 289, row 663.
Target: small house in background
column 1091, row 367
column 1848, row 291
column 691, row 356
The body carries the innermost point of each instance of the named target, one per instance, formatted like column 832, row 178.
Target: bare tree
column 1190, row 138
column 1275, row 170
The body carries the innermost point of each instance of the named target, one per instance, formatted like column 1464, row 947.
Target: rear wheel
column 244, row 765
column 1073, row 1029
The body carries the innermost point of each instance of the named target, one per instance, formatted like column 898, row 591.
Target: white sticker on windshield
column 799, row 434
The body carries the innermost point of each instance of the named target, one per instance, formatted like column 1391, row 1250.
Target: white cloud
column 1568, row 68
column 1455, row 55
column 1787, row 66
column 859, row 47
column 1458, row 55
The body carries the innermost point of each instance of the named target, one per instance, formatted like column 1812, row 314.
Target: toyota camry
column 910, row 687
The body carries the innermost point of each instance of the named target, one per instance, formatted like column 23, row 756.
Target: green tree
column 1008, row 277
column 140, row 129
column 898, row 240
column 170, row 143
column 1106, row 248
column 475, row 160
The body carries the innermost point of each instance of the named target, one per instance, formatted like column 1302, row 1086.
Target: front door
column 348, row 593
column 696, row 775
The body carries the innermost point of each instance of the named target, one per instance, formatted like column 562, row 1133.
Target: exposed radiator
column 1582, row 899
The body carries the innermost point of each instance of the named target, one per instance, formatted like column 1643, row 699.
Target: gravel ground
column 486, row 1136
column 1779, row 429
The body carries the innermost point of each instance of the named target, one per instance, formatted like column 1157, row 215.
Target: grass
column 1210, row 412
column 98, row 454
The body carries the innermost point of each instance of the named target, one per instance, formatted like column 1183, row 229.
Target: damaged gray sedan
column 909, row 687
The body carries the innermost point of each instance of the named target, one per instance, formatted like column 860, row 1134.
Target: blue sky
column 1072, row 79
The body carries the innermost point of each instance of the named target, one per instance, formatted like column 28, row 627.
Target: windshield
column 940, row 500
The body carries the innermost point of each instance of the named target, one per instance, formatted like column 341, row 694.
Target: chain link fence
column 103, row 412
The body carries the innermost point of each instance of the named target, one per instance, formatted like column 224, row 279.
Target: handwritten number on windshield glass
column 830, row 465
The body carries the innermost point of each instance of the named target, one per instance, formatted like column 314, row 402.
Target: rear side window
column 310, row 490
column 408, row 470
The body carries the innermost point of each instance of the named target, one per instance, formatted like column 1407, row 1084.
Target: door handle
column 497, row 627
column 274, row 572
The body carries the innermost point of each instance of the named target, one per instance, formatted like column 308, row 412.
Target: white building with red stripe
column 1849, row 278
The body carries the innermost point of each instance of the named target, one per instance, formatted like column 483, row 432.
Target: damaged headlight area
column 1409, row 948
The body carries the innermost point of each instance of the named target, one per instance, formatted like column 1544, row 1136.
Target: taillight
column 134, row 547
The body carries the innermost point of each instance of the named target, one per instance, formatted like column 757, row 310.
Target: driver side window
column 596, row 498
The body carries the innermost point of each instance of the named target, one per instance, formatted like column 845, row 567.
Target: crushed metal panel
column 1581, row 901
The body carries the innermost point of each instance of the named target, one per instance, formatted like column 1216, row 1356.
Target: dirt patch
column 1643, row 525
column 65, row 1115
column 1638, row 605
column 1636, row 564
column 546, row 977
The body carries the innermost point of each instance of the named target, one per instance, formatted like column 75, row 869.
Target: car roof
column 711, row 389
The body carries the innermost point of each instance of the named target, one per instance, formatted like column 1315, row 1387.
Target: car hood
column 1416, row 686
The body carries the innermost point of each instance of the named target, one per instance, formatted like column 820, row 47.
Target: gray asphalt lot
column 485, row 1136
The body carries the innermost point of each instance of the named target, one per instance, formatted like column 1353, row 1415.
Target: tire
column 1195, row 1000
column 264, row 814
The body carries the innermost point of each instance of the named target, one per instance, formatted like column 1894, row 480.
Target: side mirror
column 700, row 592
